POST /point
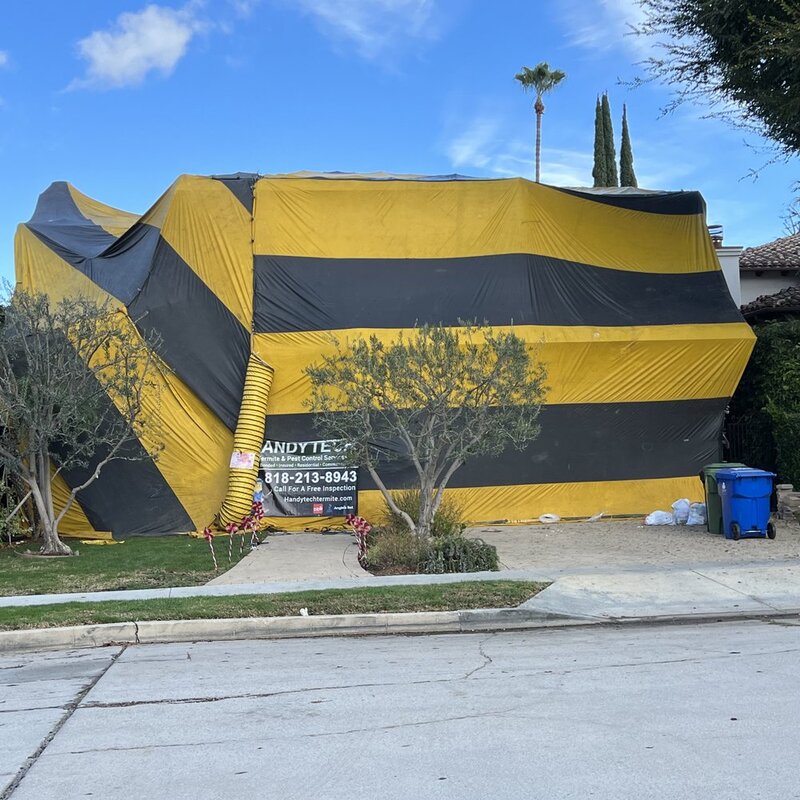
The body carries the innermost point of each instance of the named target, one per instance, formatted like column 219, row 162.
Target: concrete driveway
column 550, row 549
column 296, row 557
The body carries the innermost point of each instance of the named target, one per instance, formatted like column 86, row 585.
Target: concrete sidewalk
column 602, row 594
column 287, row 557
column 672, row 595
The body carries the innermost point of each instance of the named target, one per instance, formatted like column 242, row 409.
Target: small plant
column 13, row 528
column 459, row 554
column 395, row 551
column 448, row 520
column 361, row 530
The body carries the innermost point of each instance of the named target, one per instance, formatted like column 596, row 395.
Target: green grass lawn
column 142, row 562
column 431, row 597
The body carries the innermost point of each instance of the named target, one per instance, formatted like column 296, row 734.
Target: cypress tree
column 627, row 177
column 599, row 171
column 608, row 142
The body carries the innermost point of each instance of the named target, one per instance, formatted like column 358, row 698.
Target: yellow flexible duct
column 247, row 441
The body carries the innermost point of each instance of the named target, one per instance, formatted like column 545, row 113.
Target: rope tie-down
column 247, row 442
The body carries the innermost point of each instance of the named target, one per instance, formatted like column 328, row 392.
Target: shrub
column 786, row 428
column 393, row 550
column 459, row 554
column 766, row 402
column 447, row 522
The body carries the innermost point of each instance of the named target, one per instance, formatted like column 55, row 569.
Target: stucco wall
column 753, row 286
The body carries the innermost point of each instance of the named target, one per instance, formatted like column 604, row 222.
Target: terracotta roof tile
column 773, row 305
column 783, row 253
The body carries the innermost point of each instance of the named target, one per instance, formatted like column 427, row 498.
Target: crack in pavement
column 284, row 738
column 662, row 662
column 431, row 681
column 32, row 708
column 258, row 695
column 70, row 709
column 734, row 589
column 487, row 658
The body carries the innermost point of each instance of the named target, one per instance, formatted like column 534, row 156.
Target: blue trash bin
column 745, row 494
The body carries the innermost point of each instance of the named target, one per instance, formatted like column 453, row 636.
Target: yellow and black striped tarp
column 620, row 294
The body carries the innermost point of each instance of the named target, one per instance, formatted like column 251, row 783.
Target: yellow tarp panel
column 113, row 220
column 211, row 230
column 197, row 445
column 486, row 504
column 585, row 365
column 450, row 219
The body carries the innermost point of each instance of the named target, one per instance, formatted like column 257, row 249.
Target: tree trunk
column 538, row 107
column 426, row 493
column 51, row 543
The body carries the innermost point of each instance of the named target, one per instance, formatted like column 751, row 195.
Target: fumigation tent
column 245, row 278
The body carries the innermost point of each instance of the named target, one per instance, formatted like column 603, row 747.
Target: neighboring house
column 769, row 268
column 728, row 257
column 782, row 304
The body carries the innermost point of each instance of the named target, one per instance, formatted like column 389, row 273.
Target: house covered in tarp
column 244, row 277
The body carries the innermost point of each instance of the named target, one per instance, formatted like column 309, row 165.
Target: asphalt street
column 669, row 711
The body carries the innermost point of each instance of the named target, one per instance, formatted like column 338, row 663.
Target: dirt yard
column 619, row 543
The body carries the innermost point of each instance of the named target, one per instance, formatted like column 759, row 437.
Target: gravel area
column 617, row 543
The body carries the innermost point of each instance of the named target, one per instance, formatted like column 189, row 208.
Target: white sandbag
column 660, row 518
column 680, row 508
column 697, row 514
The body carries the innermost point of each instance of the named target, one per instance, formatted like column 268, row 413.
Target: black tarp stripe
column 577, row 443
column 295, row 293
column 118, row 265
column 121, row 268
column 131, row 496
column 58, row 218
column 672, row 203
column 241, row 185
column 202, row 341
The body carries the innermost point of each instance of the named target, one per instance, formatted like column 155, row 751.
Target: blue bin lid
column 743, row 472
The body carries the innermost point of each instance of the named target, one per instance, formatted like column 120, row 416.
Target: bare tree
column 72, row 382
column 444, row 394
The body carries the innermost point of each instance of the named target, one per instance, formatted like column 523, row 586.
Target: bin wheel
column 771, row 530
column 736, row 531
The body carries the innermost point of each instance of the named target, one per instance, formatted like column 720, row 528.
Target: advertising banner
column 308, row 479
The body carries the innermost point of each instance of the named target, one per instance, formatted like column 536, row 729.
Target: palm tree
column 541, row 79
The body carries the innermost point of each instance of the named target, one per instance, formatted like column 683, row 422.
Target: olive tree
column 442, row 395
column 73, row 376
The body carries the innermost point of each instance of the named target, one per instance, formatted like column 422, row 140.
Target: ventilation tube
column 247, row 442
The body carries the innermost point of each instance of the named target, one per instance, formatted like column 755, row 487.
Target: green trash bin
column 713, row 502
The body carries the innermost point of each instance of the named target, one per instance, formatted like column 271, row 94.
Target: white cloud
column 3, row 58
column 603, row 25
column 374, row 26
column 153, row 39
column 486, row 147
column 474, row 147
column 243, row 8
column 482, row 146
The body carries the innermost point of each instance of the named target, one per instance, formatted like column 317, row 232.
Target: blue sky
column 120, row 97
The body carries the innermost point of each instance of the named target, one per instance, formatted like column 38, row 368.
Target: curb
column 406, row 623
column 209, row 630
